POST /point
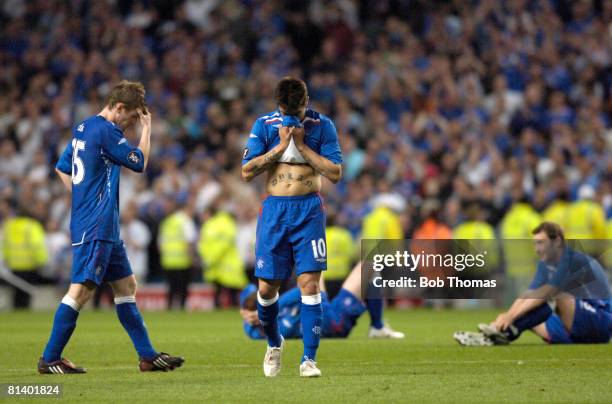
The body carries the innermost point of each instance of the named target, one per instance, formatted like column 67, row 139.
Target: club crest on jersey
column 260, row 263
column 133, row 157
column 81, row 127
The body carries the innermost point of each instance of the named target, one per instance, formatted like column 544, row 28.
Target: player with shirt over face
column 294, row 146
column 90, row 167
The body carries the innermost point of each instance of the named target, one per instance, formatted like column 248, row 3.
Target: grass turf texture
column 223, row 365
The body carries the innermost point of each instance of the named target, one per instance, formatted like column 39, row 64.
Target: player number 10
column 318, row 248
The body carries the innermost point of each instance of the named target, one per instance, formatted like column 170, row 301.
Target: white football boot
column 469, row 338
column 309, row 368
column 385, row 332
column 498, row 337
column 272, row 360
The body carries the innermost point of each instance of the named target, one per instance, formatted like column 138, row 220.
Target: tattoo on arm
column 261, row 164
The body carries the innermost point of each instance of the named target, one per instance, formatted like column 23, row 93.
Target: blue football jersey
column 320, row 135
column 93, row 159
column 577, row 274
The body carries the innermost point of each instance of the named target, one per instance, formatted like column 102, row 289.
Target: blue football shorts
column 591, row 325
column 99, row 261
column 290, row 233
column 340, row 314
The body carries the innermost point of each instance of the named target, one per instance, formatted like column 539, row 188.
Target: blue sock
column 311, row 317
column 375, row 308
column 64, row 324
column 267, row 310
column 529, row 320
column 132, row 321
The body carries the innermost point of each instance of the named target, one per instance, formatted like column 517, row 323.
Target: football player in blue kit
column 90, row 167
column 574, row 283
column 340, row 314
column 295, row 146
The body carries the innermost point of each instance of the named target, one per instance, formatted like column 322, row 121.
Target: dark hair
column 291, row 94
column 129, row 93
column 552, row 230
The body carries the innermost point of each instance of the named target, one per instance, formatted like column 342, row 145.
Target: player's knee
column 125, row 287
column 310, row 288
column 131, row 286
column 268, row 290
column 81, row 293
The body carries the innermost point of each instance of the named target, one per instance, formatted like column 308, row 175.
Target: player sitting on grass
column 90, row 168
column 572, row 281
column 339, row 315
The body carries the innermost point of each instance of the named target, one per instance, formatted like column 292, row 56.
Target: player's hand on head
column 145, row 118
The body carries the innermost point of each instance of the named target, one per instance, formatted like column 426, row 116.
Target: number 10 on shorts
column 318, row 248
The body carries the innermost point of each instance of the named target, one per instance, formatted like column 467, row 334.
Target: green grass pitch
column 222, row 365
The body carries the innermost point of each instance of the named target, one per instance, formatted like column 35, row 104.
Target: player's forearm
column 66, row 179
column 260, row 164
column 145, row 145
column 323, row 166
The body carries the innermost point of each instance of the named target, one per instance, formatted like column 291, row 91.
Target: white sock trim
column 125, row 299
column 267, row 302
column 312, row 299
column 67, row 300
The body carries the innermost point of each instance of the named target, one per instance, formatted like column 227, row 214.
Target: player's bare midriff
column 286, row 179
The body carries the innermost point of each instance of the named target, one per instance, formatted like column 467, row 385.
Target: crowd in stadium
column 454, row 111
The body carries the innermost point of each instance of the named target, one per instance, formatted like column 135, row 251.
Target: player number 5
column 318, row 248
column 78, row 168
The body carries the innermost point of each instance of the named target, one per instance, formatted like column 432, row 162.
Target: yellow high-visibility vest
column 484, row 234
column 218, row 250
column 515, row 230
column 382, row 223
column 23, row 245
column 173, row 244
column 557, row 212
column 586, row 220
column 340, row 252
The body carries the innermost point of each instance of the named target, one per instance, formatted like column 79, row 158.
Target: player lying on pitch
column 339, row 314
column 568, row 280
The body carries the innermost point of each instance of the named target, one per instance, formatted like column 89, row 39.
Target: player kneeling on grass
column 90, row 167
column 572, row 282
column 339, row 315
